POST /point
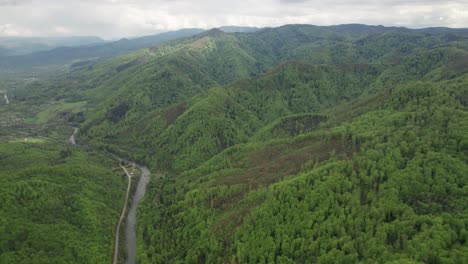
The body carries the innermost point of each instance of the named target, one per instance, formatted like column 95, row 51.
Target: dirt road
column 122, row 216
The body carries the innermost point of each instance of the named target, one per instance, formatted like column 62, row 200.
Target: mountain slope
column 175, row 73
column 59, row 204
column 239, row 110
column 387, row 185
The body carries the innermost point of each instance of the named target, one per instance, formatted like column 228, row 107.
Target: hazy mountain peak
column 234, row 29
column 214, row 32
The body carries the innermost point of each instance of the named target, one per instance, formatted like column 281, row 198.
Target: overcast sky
column 119, row 18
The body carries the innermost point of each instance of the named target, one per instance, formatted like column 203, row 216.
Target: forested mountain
column 388, row 185
column 334, row 68
column 296, row 144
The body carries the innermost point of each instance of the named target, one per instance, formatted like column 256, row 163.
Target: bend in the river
column 72, row 140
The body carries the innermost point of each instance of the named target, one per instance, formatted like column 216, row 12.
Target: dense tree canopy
column 58, row 205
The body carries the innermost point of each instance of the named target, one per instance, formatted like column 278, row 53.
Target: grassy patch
column 29, row 140
column 50, row 112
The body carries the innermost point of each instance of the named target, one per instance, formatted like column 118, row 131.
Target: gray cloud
column 13, row 2
column 117, row 18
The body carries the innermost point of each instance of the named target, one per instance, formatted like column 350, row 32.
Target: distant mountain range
column 46, row 54
column 10, row 46
column 67, row 55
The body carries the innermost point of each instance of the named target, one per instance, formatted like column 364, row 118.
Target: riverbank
column 131, row 217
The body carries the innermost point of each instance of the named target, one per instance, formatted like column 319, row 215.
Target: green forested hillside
column 238, row 111
column 390, row 185
column 297, row 144
column 58, row 204
column 137, row 97
column 380, row 178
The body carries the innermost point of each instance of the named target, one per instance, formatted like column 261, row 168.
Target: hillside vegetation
column 58, row 204
column 148, row 105
column 297, row 144
column 388, row 185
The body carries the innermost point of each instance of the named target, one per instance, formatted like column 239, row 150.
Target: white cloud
column 11, row 30
column 117, row 18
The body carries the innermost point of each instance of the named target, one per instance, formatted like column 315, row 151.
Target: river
column 130, row 224
column 72, row 140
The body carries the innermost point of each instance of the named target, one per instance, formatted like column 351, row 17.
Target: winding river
column 72, row 140
column 130, row 224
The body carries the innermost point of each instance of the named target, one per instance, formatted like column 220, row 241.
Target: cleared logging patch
column 173, row 113
column 272, row 163
column 460, row 65
column 267, row 166
column 132, row 63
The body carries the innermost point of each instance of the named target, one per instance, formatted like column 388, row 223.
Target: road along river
column 115, row 258
column 130, row 224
